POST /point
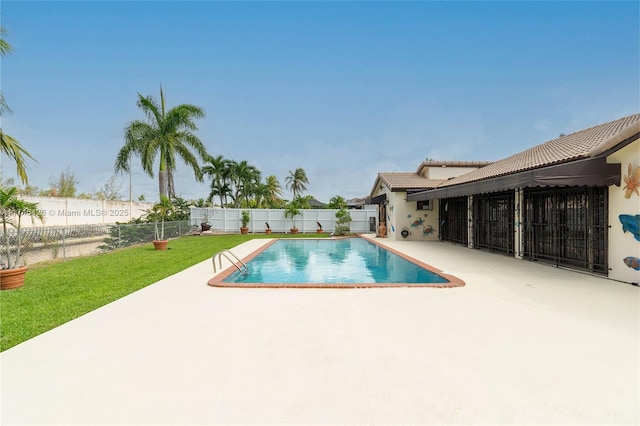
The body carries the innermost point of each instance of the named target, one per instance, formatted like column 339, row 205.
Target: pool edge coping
column 217, row 280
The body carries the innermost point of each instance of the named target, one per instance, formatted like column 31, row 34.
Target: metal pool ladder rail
column 242, row 267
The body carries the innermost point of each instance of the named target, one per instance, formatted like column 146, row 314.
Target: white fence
column 58, row 211
column 228, row 220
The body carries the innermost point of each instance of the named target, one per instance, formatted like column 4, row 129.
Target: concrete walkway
column 521, row 343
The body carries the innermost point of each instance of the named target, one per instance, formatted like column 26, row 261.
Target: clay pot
column 12, row 278
column 160, row 244
column 382, row 230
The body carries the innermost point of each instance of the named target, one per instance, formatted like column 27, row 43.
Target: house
column 413, row 221
column 356, row 203
column 573, row 201
column 315, row 204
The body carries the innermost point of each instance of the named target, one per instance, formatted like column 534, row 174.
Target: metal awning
column 588, row 172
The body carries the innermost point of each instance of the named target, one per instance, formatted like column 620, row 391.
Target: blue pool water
column 350, row 260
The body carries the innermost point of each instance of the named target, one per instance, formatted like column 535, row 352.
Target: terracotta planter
column 244, row 230
column 268, row 231
column 12, row 278
column 383, row 230
column 318, row 231
column 293, row 230
column 160, row 244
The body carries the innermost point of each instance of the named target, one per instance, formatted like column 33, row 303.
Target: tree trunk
column 171, row 185
column 6, row 241
column 164, row 184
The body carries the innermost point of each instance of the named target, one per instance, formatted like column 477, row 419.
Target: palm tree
column 261, row 195
column 9, row 145
column 11, row 205
column 251, row 184
column 243, row 178
column 274, row 190
column 216, row 169
column 297, row 181
column 292, row 209
column 161, row 210
column 167, row 133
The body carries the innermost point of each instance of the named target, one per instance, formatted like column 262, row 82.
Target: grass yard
column 55, row 293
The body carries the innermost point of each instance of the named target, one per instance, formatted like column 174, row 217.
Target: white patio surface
column 521, row 343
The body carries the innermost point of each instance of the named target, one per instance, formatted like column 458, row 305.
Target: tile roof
column 583, row 144
column 434, row 163
column 399, row 181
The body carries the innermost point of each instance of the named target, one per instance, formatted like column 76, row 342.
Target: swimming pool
column 346, row 262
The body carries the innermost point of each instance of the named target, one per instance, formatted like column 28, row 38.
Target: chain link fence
column 40, row 244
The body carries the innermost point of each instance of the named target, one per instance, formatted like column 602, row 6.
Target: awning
column 378, row 200
column 587, row 172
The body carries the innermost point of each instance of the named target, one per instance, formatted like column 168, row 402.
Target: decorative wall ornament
column 416, row 223
column 631, row 224
column 632, row 262
column 632, row 181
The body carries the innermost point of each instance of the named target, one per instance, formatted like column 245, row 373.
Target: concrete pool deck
column 521, row 343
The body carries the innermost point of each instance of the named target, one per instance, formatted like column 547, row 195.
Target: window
column 424, row 205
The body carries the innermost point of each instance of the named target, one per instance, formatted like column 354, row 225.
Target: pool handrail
column 244, row 270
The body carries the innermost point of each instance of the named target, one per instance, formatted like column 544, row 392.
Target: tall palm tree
column 243, row 177
column 261, row 195
column 297, row 181
column 251, row 184
column 9, row 145
column 167, row 133
column 274, row 190
column 216, row 168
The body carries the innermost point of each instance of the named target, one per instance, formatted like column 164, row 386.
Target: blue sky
column 342, row 89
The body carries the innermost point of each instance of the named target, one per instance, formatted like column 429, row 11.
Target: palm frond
column 5, row 47
column 14, row 150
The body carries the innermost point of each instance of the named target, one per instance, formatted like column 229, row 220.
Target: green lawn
column 56, row 293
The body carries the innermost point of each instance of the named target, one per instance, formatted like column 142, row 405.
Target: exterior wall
column 624, row 247
column 73, row 211
column 418, row 225
column 394, row 199
column 380, row 190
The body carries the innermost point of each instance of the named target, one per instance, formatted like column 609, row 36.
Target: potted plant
column 245, row 218
column 343, row 219
column 204, row 225
column 11, row 206
column 268, row 230
column 319, row 229
column 292, row 210
column 160, row 211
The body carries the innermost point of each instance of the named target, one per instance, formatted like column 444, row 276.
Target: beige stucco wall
column 73, row 211
column 623, row 245
column 421, row 225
